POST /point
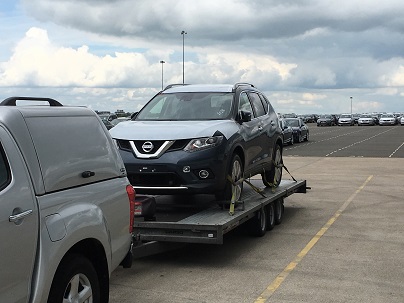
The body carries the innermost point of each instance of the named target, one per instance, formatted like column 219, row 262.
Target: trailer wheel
column 236, row 172
column 274, row 176
column 271, row 216
column 75, row 279
column 258, row 225
column 279, row 211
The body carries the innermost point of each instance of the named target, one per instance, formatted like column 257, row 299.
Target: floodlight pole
column 351, row 105
column 183, row 33
column 162, row 74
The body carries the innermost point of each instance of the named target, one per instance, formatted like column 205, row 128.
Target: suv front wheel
column 236, row 172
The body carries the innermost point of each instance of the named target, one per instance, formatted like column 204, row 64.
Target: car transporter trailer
column 193, row 222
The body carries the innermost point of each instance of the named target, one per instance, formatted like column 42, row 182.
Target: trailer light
column 203, row 174
column 186, row 169
column 138, row 209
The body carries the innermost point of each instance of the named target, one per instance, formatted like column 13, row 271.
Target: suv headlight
column 203, row 143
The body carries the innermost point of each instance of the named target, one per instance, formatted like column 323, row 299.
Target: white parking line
column 396, row 150
column 358, row 142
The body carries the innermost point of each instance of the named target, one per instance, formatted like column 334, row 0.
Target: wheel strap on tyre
column 236, row 183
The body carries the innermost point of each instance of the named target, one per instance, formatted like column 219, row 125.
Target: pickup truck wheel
column 274, row 176
column 279, row 211
column 75, row 281
column 236, row 172
column 258, row 225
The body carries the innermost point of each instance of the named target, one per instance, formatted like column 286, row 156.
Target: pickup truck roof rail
column 12, row 101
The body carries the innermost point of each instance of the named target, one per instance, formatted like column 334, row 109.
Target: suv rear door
column 18, row 237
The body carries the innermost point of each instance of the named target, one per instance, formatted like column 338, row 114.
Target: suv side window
column 257, row 104
column 245, row 104
column 267, row 105
column 4, row 170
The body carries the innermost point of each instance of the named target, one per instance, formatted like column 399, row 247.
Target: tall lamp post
column 351, row 105
column 162, row 74
column 183, row 33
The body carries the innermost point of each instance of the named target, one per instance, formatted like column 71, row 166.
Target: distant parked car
column 300, row 129
column 366, row 120
column 387, row 119
column 346, row 119
column 402, row 120
column 119, row 120
column 325, row 120
column 287, row 132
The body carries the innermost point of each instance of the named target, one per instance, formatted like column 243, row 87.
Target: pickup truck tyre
column 279, row 211
column 258, row 225
column 273, row 177
column 236, row 171
column 75, row 280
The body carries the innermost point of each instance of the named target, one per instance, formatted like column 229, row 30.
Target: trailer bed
column 203, row 220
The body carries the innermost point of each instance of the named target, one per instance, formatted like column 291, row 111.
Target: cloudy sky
column 307, row 56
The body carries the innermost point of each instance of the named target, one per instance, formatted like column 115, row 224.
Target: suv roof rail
column 12, row 101
column 242, row 84
column 176, row 84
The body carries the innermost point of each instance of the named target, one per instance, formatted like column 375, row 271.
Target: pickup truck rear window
column 4, row 170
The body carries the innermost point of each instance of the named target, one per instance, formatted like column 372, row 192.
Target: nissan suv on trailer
column 190, row 138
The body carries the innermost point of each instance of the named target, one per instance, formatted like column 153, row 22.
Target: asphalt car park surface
column 342, row 241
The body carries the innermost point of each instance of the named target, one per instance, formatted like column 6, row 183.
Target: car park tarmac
column 342, row 241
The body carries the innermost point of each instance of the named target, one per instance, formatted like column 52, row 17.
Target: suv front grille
column 177, row 145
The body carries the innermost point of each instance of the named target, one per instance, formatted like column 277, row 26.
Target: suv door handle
column 17, row 217
column 260, row 128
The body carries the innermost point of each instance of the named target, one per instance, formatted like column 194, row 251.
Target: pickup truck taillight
column 131, row 195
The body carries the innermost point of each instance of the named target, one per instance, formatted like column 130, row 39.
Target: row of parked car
column 359, row 119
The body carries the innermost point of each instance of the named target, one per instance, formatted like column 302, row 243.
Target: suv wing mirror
column 245, row 116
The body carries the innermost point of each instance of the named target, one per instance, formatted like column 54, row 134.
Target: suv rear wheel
column 274, row 176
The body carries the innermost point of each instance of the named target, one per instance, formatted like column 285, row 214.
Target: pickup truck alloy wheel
column 274, row 176
column 75, row 281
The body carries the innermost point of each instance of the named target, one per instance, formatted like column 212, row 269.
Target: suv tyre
column 236, row 172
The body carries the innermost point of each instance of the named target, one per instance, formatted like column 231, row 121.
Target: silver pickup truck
column 65, row 204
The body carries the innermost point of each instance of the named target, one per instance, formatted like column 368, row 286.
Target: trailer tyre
column 279, row 211
column 258, row 225
column 271, row 216
column 75, row 279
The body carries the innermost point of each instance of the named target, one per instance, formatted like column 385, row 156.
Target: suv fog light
column 203, row 174
column 186, row 169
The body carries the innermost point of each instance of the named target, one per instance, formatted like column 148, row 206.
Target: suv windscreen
column 188, row 106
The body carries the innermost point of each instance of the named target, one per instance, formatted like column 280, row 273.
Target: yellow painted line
column 269, row 291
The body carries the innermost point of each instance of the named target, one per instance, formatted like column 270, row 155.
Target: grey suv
column 65, row 201
column 190, row 138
